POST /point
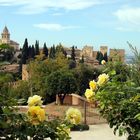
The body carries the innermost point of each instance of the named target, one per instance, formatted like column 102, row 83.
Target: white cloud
column 57, row 14
column 54, row 26
column 124, row 29
column 39, row 6
column 129, row 15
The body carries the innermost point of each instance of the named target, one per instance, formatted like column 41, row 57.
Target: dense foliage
column 61, row 83
column 119, row 104
column 6, row 53
column 20, row 126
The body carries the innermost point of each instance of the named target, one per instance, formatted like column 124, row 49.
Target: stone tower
column 5, row 36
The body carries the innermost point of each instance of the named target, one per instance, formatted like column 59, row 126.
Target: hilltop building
column 5, row 39
column 117, row 55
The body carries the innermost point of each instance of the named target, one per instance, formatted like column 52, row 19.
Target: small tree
column 99, row 57
column 25, row 52
column 61, row 83
column 105, row 57
column 73, row 53
column 33, row 52
column 45, row 50
column 37, row 47
column 82, row 59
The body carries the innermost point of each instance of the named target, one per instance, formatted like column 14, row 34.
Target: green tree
column 99, row 57
column 37, row 48
column 52, row 52
column 73, row 53
column 33, row 52
column 105, row 57
column 72, row 64
column 83, row 75
column 25, row 52
column 29, row 52
column 82, row 59
column 22, row 91
column 38, row 72
column 7, row 52
column 61, row 83
column 45, row 50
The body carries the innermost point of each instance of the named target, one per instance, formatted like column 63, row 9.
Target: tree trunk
column 61, row 98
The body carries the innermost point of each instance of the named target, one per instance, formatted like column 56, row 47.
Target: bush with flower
column 118, row 101
column 33, row 124
column 74, row 116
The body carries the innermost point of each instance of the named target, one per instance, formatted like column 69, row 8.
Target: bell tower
column 5, row 36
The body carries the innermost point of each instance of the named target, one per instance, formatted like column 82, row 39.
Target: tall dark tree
column 29, row 52
column 37, row 47
column 33, row 51
column 82, row 59
column 73, row 53
column 25, row 51
column 52, row 52
column 65, row 53
column 99, row 57
column 106, row 57
column 45, row 50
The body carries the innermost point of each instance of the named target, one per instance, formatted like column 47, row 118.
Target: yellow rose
column 90, row 95
column 102, row 79
column 103, row 62
column 36, row 114
column 74, row 115
column 34, row 101
column 93, row 85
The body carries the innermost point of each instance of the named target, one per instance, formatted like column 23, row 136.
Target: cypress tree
column 100, row 58
column 105, row 57
column 37, row 47
column 29, row 52
column 82, row 59
column 25, row 52
column 33, row 52
column 53, row 51
column 73, row 53
column 45, row 50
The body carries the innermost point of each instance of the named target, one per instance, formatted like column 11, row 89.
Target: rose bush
column 33, row 124
column 118, row 102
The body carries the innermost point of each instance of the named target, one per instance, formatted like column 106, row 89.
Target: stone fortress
column 90, row 54
column 87, row 52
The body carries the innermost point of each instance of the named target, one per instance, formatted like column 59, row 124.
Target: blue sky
column 73, row 22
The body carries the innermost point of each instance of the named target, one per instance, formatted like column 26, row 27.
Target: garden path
column 96, row 132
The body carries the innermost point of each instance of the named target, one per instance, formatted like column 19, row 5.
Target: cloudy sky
column 73, row 22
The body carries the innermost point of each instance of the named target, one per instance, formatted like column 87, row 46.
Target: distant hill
column 128, row 58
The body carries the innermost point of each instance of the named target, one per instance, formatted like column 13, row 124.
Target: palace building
column 5, row 39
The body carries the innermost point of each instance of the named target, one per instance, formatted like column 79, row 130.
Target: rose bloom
column 74, row 115
column 36, row 114
column 102, row 79
column 93, row 85
column 90, row 95
column 34, row 101
column 103, row 62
